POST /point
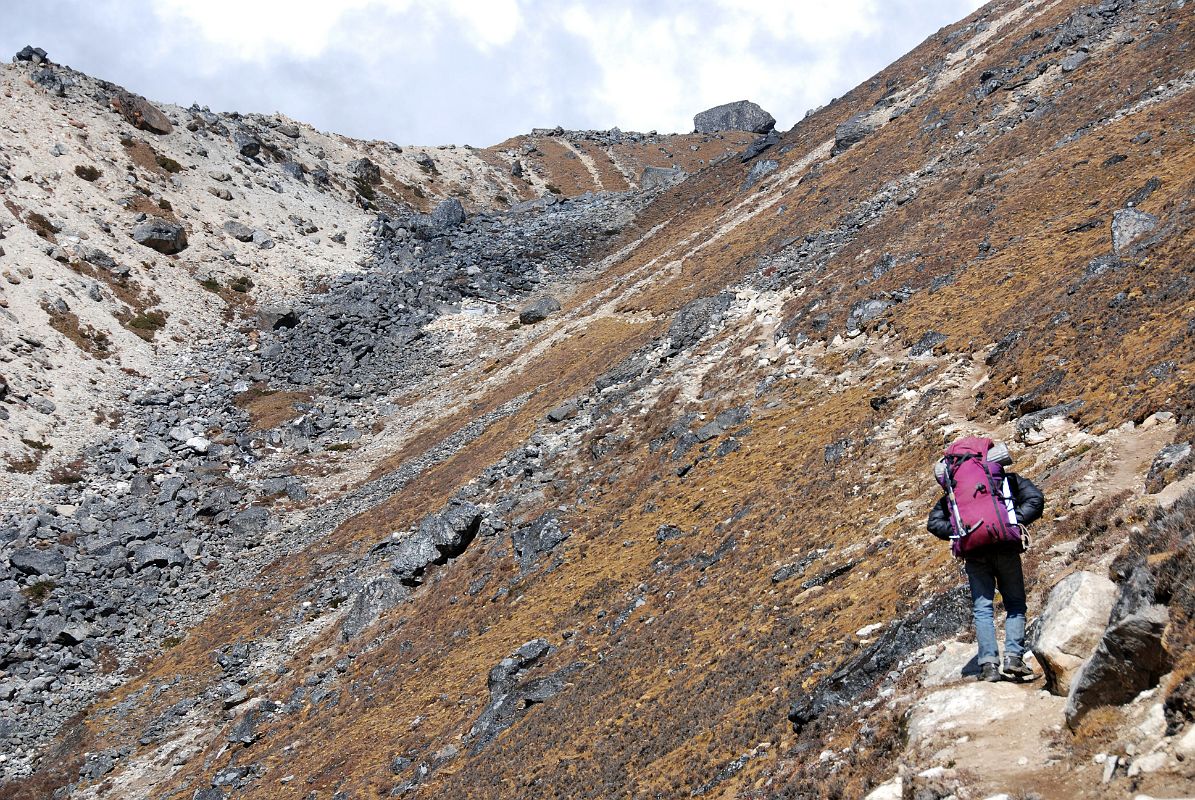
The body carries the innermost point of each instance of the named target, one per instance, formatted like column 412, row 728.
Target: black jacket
column 1028, row 502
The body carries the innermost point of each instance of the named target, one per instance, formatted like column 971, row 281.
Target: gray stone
column 1074, row 61
column 199, row 444
column 741, row 115
column 150, row 554
column 759, row 145
column 926, row 344
column 656, row 177
column 365, row 170
column 32, row 54
column 1167, row 459
column 376, row 597
column 245, row 143
column 865, row 311
column 251, row 522
column 38, row 562
column 448, row 214
column 693, row 321
column 543, row 535
column 244, row 731
column 1129, row 225
column 722, row 422
column 239, row 231
column 759, row 170
column 850, row 133
column 539, row 310
column 412, row 557
column 161, row 235
column 564, row 411
column 1071, row 626
column 1130, row 658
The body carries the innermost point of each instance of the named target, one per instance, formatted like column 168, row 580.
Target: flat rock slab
column 999, row 730
column 955, row 662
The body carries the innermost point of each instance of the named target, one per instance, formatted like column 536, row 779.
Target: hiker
column 983, row 513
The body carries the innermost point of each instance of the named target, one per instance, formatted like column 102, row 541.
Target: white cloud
column 257, row 30
column 440, row 71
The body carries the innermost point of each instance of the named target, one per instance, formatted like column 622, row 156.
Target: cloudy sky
column 479, row 71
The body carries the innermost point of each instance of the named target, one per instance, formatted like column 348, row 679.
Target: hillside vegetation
column 664, row 538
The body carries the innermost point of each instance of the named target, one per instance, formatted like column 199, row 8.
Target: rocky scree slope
column 616, row 551
column 132, row 231
column 198, row 490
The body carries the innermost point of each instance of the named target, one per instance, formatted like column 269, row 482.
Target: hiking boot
column 1015, row 666
column 989, row 672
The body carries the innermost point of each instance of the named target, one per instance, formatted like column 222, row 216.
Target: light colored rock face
column 892, row 790
column 960, row 710
column 1128, row 225
column 948, row 667
column 1071, row 625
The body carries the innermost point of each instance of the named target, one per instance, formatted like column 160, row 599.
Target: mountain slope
column 608, row 552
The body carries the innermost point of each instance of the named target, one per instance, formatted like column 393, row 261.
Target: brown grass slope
column 689, row 654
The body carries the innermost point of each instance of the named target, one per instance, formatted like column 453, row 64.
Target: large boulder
column 38, row 562
column 246, row 143
column 741, row 115
column 139, row 112
column 655, row 177
column 539, row 310
column 694, row 319
column 850, row 133
column 161, row 235
column 448, row 214
column 365, row 170
column 30, row 53
column 1129, row 225
column 1129, row 659
column 1071, row 626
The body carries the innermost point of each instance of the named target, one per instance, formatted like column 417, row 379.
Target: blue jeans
column 986, row 572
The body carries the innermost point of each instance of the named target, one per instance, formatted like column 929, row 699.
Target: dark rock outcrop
column 139, row 112
column 539, row 310
column 741, row 115
column 161, row 235
column 1129, row 659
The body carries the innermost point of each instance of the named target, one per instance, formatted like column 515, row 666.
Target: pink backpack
column 980, row 501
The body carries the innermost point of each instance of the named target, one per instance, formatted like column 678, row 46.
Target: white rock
column 1071, row 625
column 1153, row 727
column 868, row 630
column 969, row 707
column 892, row 790
column 947, row 667
column 1185, row 744
column 199, row 444
column 1148, row 763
